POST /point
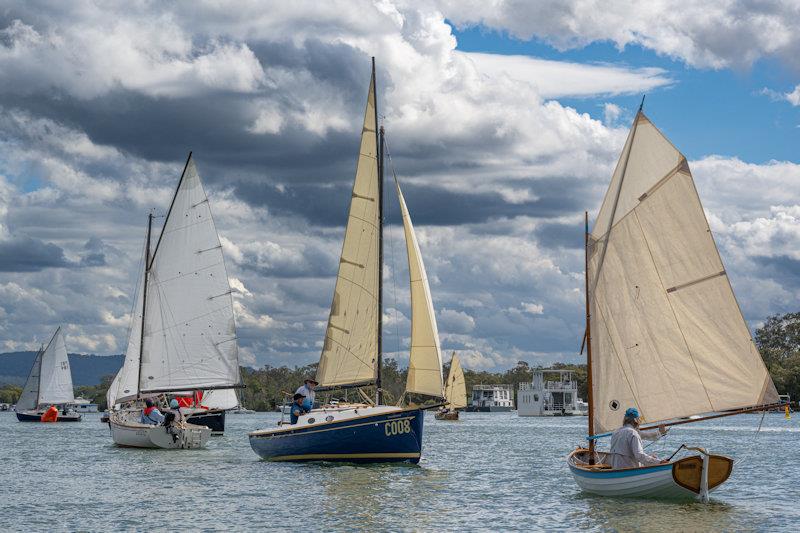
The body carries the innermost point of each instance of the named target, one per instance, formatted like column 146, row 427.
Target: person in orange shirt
column 51, row 415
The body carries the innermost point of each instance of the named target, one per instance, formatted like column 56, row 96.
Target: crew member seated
column 173, row 415
column 150, row 414
column 297, row 408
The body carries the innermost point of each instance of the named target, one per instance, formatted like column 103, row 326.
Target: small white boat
column 682, row 478
column 664, row 333
column 126, row 430
column 183, row 334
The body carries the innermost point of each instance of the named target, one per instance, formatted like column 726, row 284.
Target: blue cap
column 173, row 403
column 632, row 412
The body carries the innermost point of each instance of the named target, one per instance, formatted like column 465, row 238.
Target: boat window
column 535, row 397
column 311, row 420
column 328, row 418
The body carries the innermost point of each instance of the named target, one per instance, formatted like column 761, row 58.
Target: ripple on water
column 490, row 471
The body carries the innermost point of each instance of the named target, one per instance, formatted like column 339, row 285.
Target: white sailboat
column 352, row 352
column 664, row 332
column 49, row 383
column 455, row 391
column 211, row 409
column 183, row 334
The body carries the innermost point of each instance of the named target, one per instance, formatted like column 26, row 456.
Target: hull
column 33, row 416
column 675, row 480
column 488, row 409
column 134, row 435
column 214, row 420
column 360, row 435
column 452, row 415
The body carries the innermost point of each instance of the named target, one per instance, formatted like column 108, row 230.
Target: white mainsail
column 55, row 382
column 349, row 354
column 667, row 333
column 425, row 358
column 189, row 329
column 455, row 390
column 29, row 399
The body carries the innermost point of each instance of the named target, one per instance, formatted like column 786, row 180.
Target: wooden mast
column 379, row 143
column 588, row 340
column 144, row 300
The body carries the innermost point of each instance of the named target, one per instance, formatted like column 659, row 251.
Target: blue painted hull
column 379, row 438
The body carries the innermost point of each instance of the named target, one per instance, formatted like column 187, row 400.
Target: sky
column 504, row 121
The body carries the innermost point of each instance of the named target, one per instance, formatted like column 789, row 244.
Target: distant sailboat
column 664, row 332
column 49, row 383
column 455, row 392
column 183, row 335
column 352, row 352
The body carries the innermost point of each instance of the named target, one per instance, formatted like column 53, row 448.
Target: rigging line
column 749, row 452
column 391, row 248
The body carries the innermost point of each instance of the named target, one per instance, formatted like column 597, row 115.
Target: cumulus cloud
column 710, row 34
column 98, row 109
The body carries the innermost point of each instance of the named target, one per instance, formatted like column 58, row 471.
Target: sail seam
column 674, row 316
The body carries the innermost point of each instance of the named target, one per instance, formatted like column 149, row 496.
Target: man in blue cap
column 626, row 443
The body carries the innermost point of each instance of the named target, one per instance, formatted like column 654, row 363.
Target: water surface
column 490, row 471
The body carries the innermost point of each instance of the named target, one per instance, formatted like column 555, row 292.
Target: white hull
column 126, row 432
column 657, row 481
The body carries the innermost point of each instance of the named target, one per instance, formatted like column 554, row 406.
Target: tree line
column 267, row 388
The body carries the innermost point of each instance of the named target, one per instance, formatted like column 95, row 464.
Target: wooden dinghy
column 664, row 333
column 455, row 392
column 682, row 478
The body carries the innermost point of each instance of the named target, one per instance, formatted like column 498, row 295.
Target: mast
column 379, row 139
column 144, row 298
column 588, row 340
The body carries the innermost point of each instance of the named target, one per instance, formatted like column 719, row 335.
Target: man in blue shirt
column 297, row 408
column 307, row 390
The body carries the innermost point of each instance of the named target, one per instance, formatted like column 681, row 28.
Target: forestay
column 351, row 338
column 667, row 333
column 55, row 383
column 425, row 358
column 455, row 390
column 189, row 331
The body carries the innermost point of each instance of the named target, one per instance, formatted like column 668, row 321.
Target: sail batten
column 349, row 353
column 670, row 338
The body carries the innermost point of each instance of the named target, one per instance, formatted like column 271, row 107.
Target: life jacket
column 148, row 410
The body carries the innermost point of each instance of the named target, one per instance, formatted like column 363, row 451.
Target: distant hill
column 86, row 369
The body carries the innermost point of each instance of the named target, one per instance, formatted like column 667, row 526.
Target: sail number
column 397, row 427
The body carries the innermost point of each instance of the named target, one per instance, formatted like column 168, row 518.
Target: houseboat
column 491, row 398
column 550, row 393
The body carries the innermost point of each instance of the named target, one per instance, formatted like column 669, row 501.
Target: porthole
column 311, row 420
column 329, row 418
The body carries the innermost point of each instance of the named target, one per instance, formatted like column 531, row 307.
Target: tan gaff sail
column 425, row 359
column 455, row 390
column 349, row 355
column 667, row 333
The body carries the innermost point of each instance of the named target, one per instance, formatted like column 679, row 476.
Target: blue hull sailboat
column 352, row 352
column 664, row 333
